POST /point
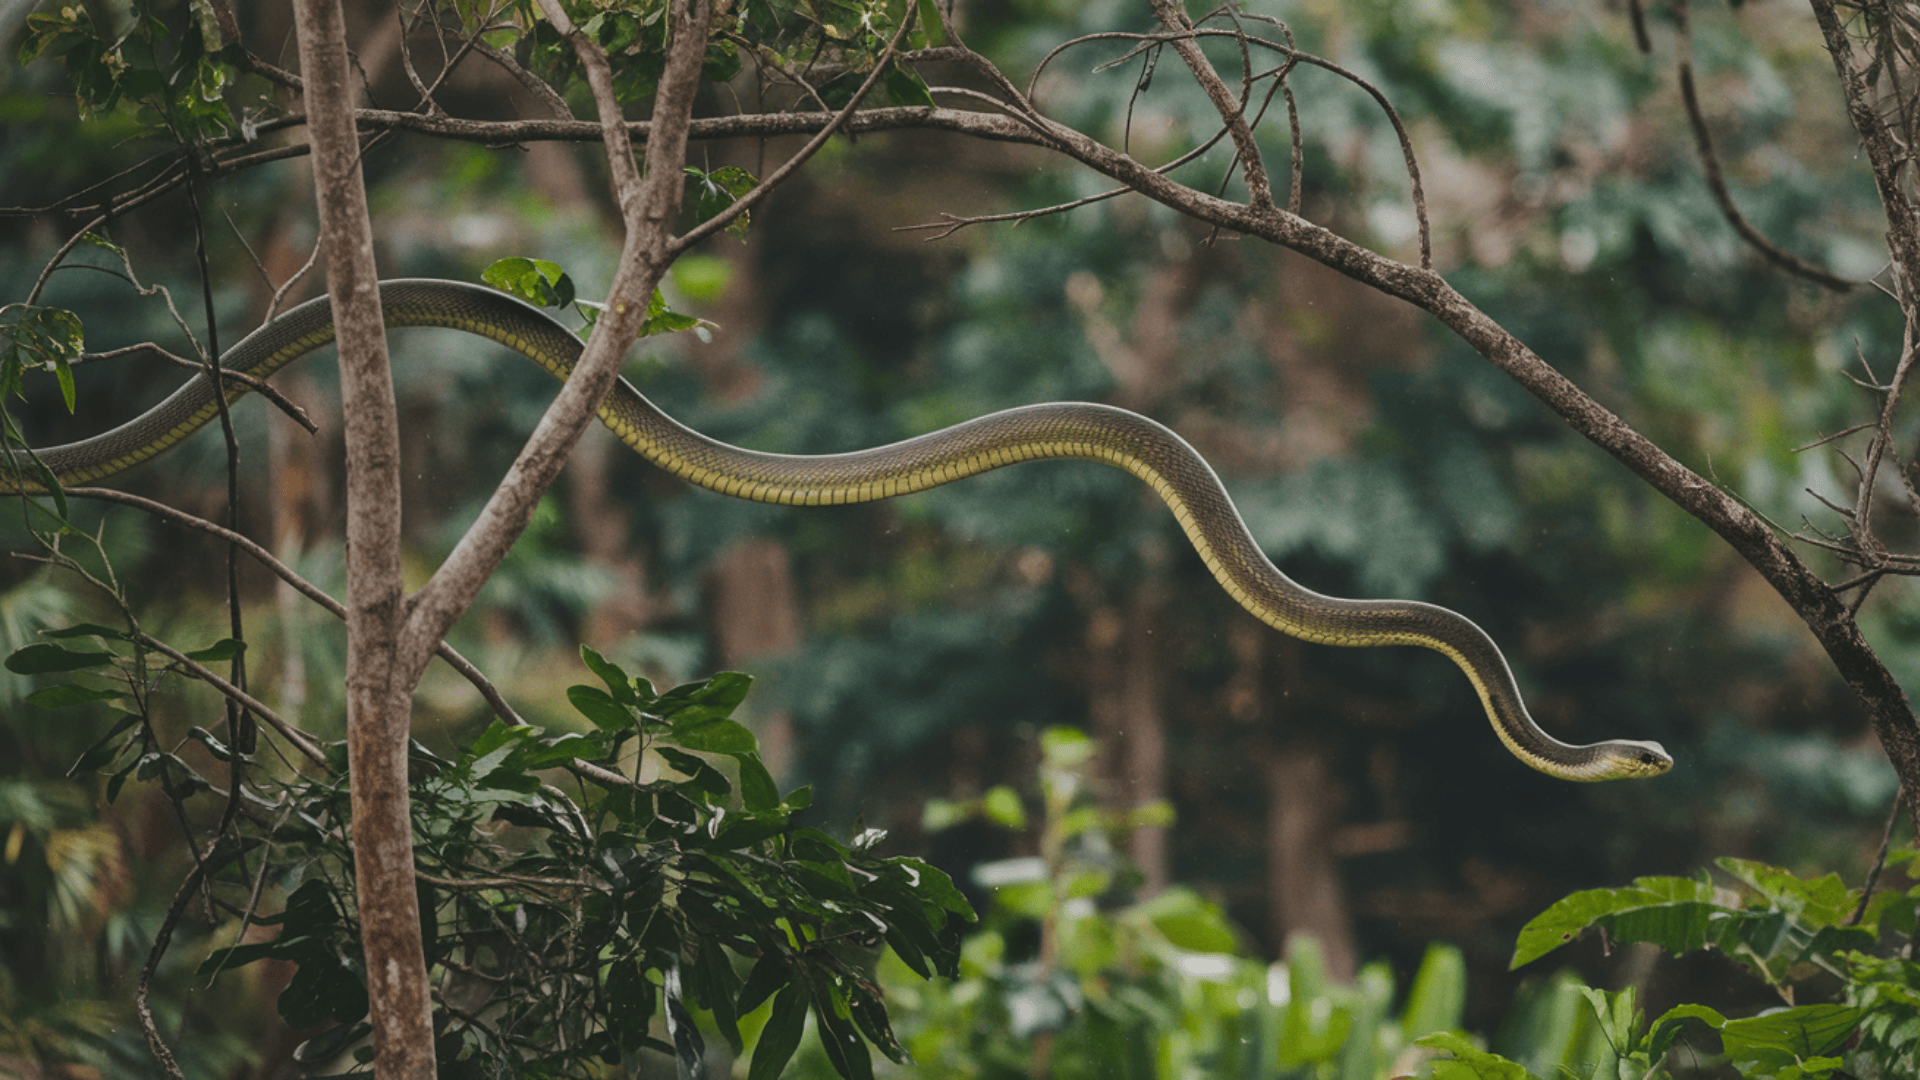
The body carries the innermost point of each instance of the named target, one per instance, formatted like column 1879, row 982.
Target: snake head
column 1632, row 758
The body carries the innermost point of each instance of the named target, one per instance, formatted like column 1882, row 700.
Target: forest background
column 916, row 649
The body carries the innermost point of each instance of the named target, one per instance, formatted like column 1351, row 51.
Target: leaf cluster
column 1802, row 937
column 676, row 889
column 167, row 70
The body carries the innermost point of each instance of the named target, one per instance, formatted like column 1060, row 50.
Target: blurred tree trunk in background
column 1303, row 874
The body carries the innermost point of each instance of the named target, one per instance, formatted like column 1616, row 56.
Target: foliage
column 1803, row 938
column 563, row 929
column 1071, row 975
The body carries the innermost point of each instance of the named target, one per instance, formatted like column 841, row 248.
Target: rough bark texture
column 377, row 699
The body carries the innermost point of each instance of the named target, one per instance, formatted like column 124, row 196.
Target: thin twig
column 761, row 190
column 1879, row 862
column 300, row 739
column 1717, row 181
column 257, row 385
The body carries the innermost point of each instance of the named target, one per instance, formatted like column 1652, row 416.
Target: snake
column 1077, row 430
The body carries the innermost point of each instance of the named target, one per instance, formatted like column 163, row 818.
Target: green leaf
column 1668, row 1027
column 700, row 776
column 1470, row 1062
column 838, row 1038
column 1438, row 998
column 536, row 281
column 1676, row 931
column 769, row 973
column 719, row 988
column 68, row 695
column 906, row 88
column 930, row 24
column 1189, row 922
column 709, row 699
column 619, row 686
column 1789, row 1036
column 224, row 649
column 781, row 1037
column 871, row 1017
column 1002, row 807
column 214, row 746
column 758, row 792
column 598, row 706
column 45, row 659
column 1822, row 902
column 85, row 630
column 716, row 737
column 102, row 751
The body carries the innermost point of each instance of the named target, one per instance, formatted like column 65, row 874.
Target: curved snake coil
column 1063, row 430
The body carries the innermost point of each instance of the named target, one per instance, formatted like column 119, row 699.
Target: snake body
column 1061, row 430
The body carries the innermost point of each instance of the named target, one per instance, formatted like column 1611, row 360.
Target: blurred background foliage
column 915, row 649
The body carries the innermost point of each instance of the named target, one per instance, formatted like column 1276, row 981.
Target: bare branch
column 1232, row 112
column 301, row 740
column 1717, row 181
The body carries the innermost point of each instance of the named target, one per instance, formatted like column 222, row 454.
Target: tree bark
column 378, row 695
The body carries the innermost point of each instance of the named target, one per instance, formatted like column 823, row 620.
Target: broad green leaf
column 930, row 24
column 619, row 686
column 758, row 792
column 85, row 630
column 1470, row 1062
column 598, row 706
column 842, row 1042
column 1671, row 1024
column 1789, row 1036
column 1822, row 902
column 713, row 698
column 933, row 884
column 536, row 281
column 769, row 974
column 1565, row 920
column 45, row 659
column 716, row 736
column 61, row 697
column 781, row 1037
column 103, row 750
column 871, row 1018
column 224, row 649
column 906, row 88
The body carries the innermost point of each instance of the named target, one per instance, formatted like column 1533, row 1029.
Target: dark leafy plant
column 674, row 888
column 1803, row 938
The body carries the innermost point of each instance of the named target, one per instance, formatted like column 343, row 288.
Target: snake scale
column 1060, row 430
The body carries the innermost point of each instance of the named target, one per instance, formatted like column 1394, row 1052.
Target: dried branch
column 1233, row 112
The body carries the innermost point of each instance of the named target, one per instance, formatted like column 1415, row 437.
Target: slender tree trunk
column 755, row 616
column 1302, row 874
column 377, row 697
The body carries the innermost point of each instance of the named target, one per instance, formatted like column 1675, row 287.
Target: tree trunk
column 1302, row 876
column 755, row 615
